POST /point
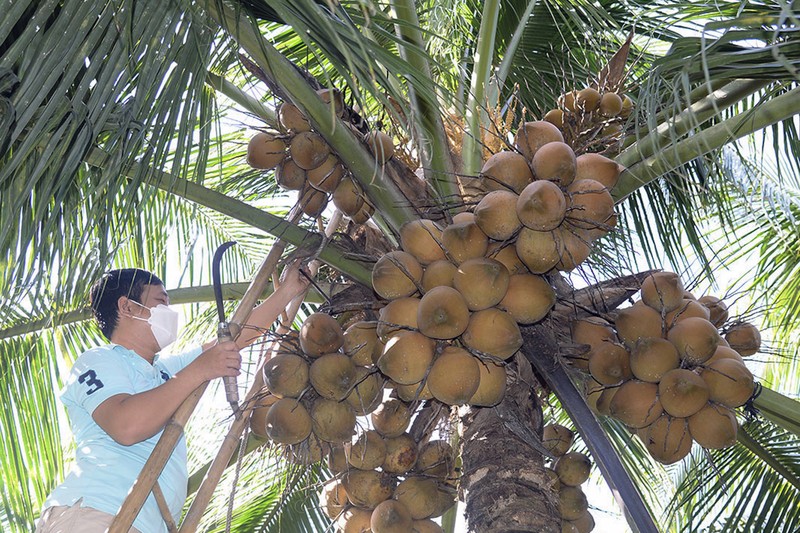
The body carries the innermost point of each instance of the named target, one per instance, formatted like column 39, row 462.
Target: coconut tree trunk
column 503, row 478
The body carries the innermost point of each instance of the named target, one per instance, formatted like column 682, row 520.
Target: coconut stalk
column 776, row 110
column 175, row 427
column 434, row 149
column 247, row 102
column 385, row 195
column 274, row 225
column 471, row 154
column 782, row 411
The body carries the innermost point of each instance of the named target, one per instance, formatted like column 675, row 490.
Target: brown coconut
column 454, row 376
column 288, row 422
column 482, row 282
column 265, row 151
column 333, row 498
column 437, row 274
column 528, row 298
column 309, row 150
column 367, row 451
column 327, row 176
column 491, row 386
column 320, row 334
column 354, row 520
column 391, row 418
column 556, row 162
column 418, row 494
column 557, row 439
column 368, row 488
column 695, row 338
column 494, row 332
column 496, row 215
column 396, row 274
column 667, row 439
column 663, row 291
column 348, row 197
column 598, row 168
column 572, row 502
column 725, row 352
column 286, row 375
column 609, row 364
column 333, row 421
column 590, row 204
column 717, row 309
column 555, row 117
column 539, row 250
column 407, row 357
column 464, row 241
column 367, row 394
column 422, row 238
column 396, row 316
column 682, row 392
column 506, row 170
column 744, row 338
column 360, row 342
column 573, row 468
column 687, row 309
column 391, row 516
column 533, row 135
column 729, row 382
column 436, row 459
column 636, row 404
column 541, row 206
column 610, row 104
column 653, row 357
column 401, row 454
column 312, row 202
column 507, row 254
column 426, row 526
column 291, row 119
column 381, row 145
column 414, row 392
column 576, row 247
column 714, row 426
column 333, row 376
column 289, row 176
column 636, row 322
column 588, row 100
column 443, row 313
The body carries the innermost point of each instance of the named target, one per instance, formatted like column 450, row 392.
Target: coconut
column 435, row 459
column 568, row 527
column 407, row 357
column 687, row 308
column 258, row 416
column 507, row 254
column 652, row 357
column 682, row 392
column 333, row 376
column 714, row 426
column 396, row 274
column 587, row 100
column 309, row 150
column 364, row 213
column 327, row 176
column 401, row 454
column 555, row 117
column 555, row 162
column 348, row 197
column 637, row 322
column 320, row 334
column 567, row 101
column 381, row 145
column 598, row 168
column 636, row 404
column 265, row 151
column 367, row 451
column 667, row 439
column 333, row 498
column 593, row 331
column 361, row 342
column 609, row 364
column 482, row 282
column 464, row 241
column 391, row 516
column 744, row 338
column 663, row 291
column 286, row 375
column 333, row 421
column 443, row 313
column 333, row 97
column 610, row 104
column 398, row 315
column 627, row 106
column 289, row 176
column 506, row 171
column 724, row 352
column 306, row 453
column 463, row 217
column 418, row 495
column 354, row 520
column 603, row 404
column 422, row 238
column 557, row 439
column 695, row 338
column 414, row 392
column 312, row 201
column 445, row 500
column 592, row 392
column 717, row 309
column 367, row 488
column 391, row 418
column 541, row 206
column 572, row 502
column 454, row 376
column 496, row 215
column 426, row 526
column 539, row 250
column 291, row 119
column 576, row 247
column 729, row 382
column 533, row 135
column 573, row 468
column 366, row 396
column 584, row 523
column 493, row 332
column 590, row 204
column 438, row 274
column 528, row 298
column 492, row 385
column 288, row 422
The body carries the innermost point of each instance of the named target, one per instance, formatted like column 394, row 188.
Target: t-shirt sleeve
column 174, row 363
column 96, row 376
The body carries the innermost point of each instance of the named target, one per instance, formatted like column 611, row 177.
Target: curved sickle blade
column 216, row 279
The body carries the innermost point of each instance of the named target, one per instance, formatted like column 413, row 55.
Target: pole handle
column 231, row 386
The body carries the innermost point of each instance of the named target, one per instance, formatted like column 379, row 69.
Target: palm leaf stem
column 781, row 410
column 385, row 195
column 764, row 454
column 476, row 119
column 434, row 149
column 643, row 172
column 274, row 225
column 510, row 52
column 697, row 113
column 247, row 102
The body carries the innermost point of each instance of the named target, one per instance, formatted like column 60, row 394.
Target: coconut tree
column 124, row 131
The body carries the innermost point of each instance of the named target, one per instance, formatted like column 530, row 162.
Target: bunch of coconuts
column 304, row 162
column 321, row 380
column 591, row 117
column 568, row 472
column 670, row 368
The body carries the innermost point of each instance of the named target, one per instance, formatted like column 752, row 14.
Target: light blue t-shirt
column 105, row 471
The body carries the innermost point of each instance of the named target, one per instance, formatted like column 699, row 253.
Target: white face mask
column 163, row 323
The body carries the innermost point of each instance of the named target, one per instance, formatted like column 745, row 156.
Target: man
column 120, row 396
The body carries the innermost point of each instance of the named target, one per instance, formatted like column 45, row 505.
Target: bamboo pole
column 230, row 443
column 174, row 429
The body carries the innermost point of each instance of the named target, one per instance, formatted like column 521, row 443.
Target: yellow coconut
column 391, row 516
column 391, row 418
column 437, row 274
column 407, row 357
column 573, row 468
column 333, row 421
column 528, row 298
column 396, row 274
column 381, row 145
column 557, row 439
column 422, row 238
column 320, row 334
column 636, row 404
column 265, row 151
column 695, row 338
column 576, row 246
column 491, row 386
column 682, row 392
column 506, row 170
column 327, row 176
column 401, row 454
column 354, row 520
column 714, row 426
column 724, row 352
column 729, row 382
column 592, row 331
column 555, row 117
column 482, row 282
column 588, row 100
column 555, row 162
column 258, row 416
column 463, row 217
column 464, row 241
column 598, row 168
column 744, row 338
column 333, row 498
column 494, row 332
column 454, row 376
column 663, row 291
column 367, row 488
column 288, row 422
column 539, row 250
column 533, row 135
column 496, row 215
column 443, row 313
column 312, row 202
column 687, row 308
column 286, row 375
column 348, row 197
column 610, row 104
column 541, row 206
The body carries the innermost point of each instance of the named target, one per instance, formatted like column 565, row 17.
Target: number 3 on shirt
column 89, row 378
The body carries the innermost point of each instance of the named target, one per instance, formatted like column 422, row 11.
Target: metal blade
column 216, row 279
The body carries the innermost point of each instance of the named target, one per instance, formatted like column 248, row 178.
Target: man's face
column 153, row 295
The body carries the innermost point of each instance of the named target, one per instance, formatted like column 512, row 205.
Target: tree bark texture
column 503, row 479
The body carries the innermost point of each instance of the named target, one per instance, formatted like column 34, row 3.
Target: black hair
column 114, row 284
